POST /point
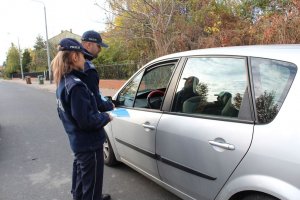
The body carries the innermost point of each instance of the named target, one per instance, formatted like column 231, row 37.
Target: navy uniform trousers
column 88, row 168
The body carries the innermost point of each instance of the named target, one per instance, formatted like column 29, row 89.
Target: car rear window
column 272, row 80
column 212, row 86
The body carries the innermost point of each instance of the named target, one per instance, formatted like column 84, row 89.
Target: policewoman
column 83, row 123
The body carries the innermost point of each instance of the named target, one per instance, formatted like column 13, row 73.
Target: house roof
column 64, row 34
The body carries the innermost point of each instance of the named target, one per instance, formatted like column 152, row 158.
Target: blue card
column 120, row 112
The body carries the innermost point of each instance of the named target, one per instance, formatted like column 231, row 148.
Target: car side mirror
column 115, row 102
column 109, row 99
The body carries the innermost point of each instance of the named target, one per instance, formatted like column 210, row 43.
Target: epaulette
column 89, row 65
column 71, row 81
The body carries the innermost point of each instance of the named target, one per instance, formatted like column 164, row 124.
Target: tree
column 154, row 28
column 26, row 60
column 148, row 21
column 202, row 91
column 273, row 21
column 39, row 55
column 40, row 43
column 52, row 50
column 12, row 61
column 141, row 30
column 237, row 100
column 266, row 108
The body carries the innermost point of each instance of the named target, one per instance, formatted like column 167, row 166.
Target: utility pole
column 47, row 42
column 21, row 64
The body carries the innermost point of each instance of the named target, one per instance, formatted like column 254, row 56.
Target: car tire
column 259, row 196
column 108, row 154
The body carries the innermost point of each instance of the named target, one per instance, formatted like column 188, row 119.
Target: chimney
column 71, row 30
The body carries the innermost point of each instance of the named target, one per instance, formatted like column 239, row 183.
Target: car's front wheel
column 108, row 153
column 259, row 196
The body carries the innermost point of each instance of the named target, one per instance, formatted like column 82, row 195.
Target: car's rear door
column 135, row 121
column 202, row 138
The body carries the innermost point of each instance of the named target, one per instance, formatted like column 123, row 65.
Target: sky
column 24, row 20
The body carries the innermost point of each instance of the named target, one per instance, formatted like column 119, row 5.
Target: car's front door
column 136, row 118
column 208, row 129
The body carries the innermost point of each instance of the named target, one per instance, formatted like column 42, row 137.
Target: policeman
column 83, row 123
column 92, row 42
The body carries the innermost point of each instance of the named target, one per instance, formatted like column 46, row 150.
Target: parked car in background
column 219, row 123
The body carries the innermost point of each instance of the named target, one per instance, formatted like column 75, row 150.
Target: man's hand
column 110, row 117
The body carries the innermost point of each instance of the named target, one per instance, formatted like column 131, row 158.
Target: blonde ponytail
column 61, row 65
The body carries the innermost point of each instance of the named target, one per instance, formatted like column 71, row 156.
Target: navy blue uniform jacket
column 92, row 81
column 77, row 109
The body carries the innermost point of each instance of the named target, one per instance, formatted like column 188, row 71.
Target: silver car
column 217, row 123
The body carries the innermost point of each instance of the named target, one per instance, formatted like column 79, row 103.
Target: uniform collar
column 89, row 57
column 79, row 74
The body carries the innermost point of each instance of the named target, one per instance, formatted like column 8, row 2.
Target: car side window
column 272, row 80
column 152, row 88
column 212, row 86
column 126, row 96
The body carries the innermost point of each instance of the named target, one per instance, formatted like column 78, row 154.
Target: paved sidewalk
column 52, row 87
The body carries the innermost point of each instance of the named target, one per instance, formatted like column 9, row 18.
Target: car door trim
column 183, row 168
column 166, row 161
column 147, row 153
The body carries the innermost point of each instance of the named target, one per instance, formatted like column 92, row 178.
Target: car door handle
column 148, row 126
column 222, row 145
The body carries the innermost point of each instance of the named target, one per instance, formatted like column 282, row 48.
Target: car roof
column 284, row 52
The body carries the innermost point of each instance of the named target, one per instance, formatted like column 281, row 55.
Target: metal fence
column 116, row 71
column 31, row 74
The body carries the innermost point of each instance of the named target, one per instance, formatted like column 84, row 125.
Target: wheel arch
column 243, row 194
column 108, row 129
column 250, row 184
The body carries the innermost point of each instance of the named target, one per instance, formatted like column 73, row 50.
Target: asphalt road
column 35, row 158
